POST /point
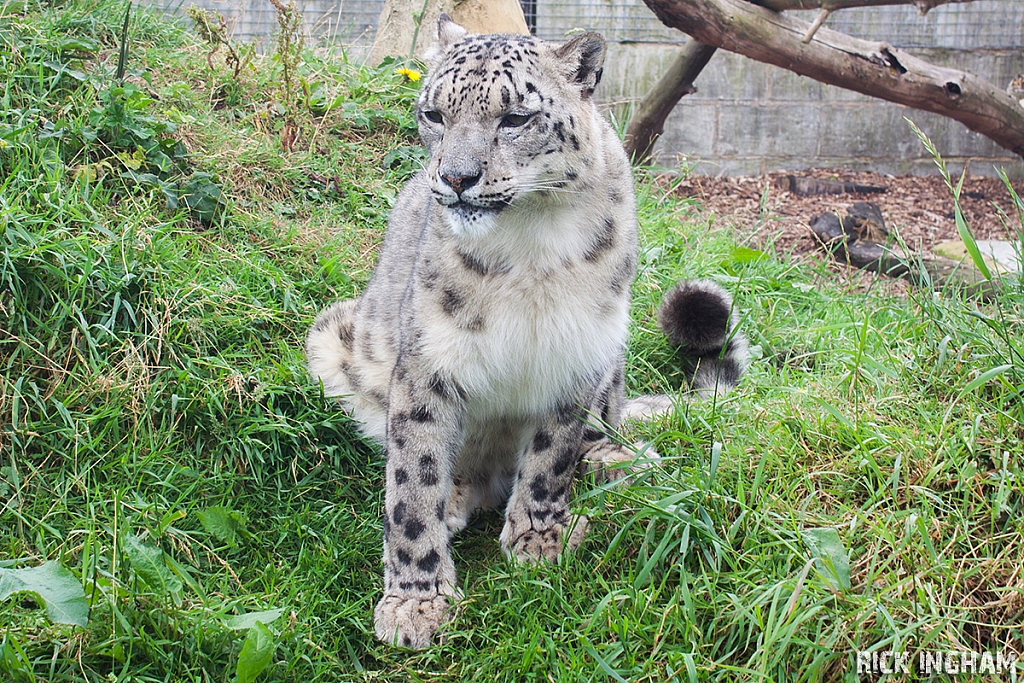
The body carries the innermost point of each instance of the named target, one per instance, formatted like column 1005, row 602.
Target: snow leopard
column 486, row 354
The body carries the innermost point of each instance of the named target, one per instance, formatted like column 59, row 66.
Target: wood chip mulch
column 919, row 208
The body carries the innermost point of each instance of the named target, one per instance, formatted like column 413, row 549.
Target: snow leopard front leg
column 424, row 436
column 537, row 515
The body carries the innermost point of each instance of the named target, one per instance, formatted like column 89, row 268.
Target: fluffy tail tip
column 699, row 318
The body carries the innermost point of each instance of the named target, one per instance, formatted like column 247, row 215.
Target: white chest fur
column 546, row 319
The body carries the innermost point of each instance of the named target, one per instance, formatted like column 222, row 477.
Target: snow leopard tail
column 699, row 319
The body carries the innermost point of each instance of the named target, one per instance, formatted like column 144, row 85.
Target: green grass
column 154, row 404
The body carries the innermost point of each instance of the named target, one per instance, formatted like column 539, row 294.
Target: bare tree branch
column 872, row 68
column 923, row 6
column 648, row 121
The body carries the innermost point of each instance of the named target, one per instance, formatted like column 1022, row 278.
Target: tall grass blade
column 984, row 377
column 966, row 236
column 122, row 57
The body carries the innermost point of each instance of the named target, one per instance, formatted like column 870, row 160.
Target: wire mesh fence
column 985, row 24
column 344, row 22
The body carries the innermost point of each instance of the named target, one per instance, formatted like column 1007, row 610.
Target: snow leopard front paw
column 526, row 543
column 410, row 621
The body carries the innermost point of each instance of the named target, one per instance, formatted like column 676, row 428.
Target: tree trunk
column 871, row 68
column 648, row 120
column 399, row 35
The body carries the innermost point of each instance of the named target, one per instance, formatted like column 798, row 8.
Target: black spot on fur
column 403, row 557
column 401, row 476
column 398, row 514
column 428, row 277
column 473, row 264
column 623, row 275
column 439, row 386
column 413, row 528
column 538, row 488
column 429, row 562
column 397, row 429
column 604, row 241
column 451, row 301
column 401, row 372
column 423, row 586
column 591, row 434
column 730, row 371
column 541, row 441
column 346, row 334
column 566, row 459
column 567, row 413
column 428, row 470
column 445, row 388
column 558, row 128
column 367, row 344
column 711, row 370
column 421, row 414
column 441, row 510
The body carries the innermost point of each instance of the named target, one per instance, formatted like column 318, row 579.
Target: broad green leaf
column 827, row 547
column 54, row 586
column 241, row 622
column 78, row 45
column 257, row 651
column 202, row 197
column 224, row 524
column 219, row 523
column 747, row 255
column 149, row 565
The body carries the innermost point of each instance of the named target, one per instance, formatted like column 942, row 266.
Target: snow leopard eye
column 514, row 120
column 433, row 116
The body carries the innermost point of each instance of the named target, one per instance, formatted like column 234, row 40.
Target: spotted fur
column 486, row 354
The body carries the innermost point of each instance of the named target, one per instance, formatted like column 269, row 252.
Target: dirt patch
column 919, row 209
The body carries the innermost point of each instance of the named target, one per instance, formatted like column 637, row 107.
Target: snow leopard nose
column 461, row 183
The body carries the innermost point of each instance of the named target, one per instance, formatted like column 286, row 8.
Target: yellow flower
column 412, row 74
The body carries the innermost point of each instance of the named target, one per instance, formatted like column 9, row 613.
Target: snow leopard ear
column 448, row 33
column 585, row 54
